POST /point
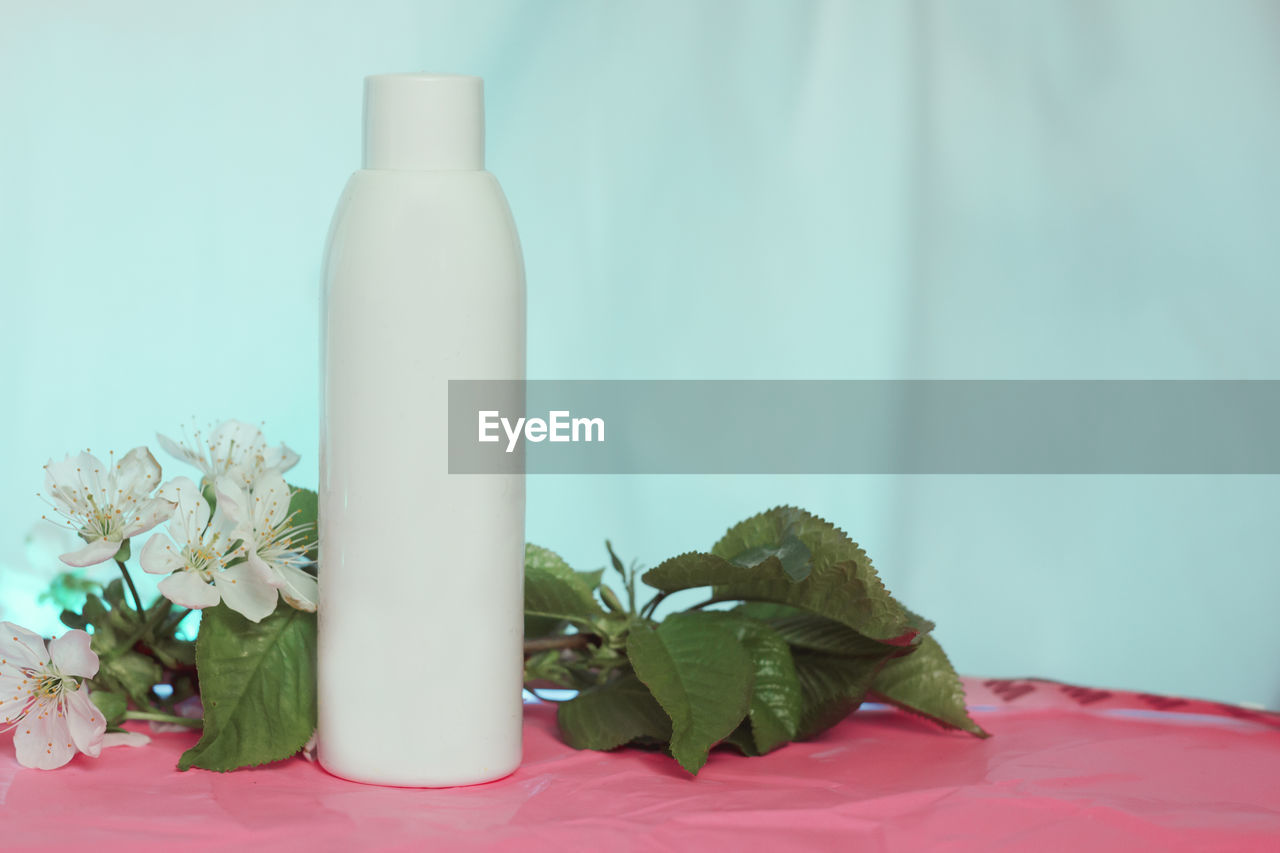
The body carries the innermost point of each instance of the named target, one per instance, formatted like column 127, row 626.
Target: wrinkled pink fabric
column 1068, row 769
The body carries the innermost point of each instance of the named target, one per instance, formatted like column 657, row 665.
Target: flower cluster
column 229, row 538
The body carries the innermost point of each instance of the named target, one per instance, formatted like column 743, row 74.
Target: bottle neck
column 423, row 122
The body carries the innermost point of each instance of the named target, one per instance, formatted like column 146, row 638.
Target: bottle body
column 421, row 590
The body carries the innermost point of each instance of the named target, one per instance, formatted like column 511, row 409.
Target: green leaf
column 547, row 666
column 841, row 583
column 743, row 740
column 132, row 672
column 258, row 686
column 815, row 633
column 611, row 715
column 766, row 611
column 701, row 676
column 832, row 687
column 73, row 620
column 776, row 704
column 791, row 553
column 555, row 591
column 542, row 626
column 113, row 594
column 925, row 683
column 848, row 592
column 112, row 705
column 304, row 513
column 68, row 590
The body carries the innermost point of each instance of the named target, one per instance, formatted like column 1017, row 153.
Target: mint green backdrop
column 704, row 190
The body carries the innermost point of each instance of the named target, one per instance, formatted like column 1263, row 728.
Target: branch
column 569, row 641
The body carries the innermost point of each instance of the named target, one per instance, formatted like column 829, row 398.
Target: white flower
column 196, row 552
column 44, row 699
column 105, row 504
column 234, row 449
column 272, row 543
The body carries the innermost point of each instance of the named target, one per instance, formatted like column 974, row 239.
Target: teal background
column 704, row 190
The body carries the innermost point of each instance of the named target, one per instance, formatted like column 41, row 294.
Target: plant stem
column 709, row 601
column 540, row 697
column 569, row 641
column 137, row 599
column 173, row 626
column 164, row 718
column 647, row 611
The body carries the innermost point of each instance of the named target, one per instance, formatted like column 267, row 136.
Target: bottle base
column 419, row 780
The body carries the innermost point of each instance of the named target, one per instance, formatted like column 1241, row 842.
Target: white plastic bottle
column 421, row 590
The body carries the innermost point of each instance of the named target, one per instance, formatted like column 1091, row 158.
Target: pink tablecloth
column 1068, row 769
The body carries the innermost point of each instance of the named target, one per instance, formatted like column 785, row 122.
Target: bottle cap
column 423, row 122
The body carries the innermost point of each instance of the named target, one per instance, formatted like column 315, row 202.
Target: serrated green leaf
column 258, row 686
column 842, row 583
column 553, row 590
column 304, row 511
column 815, row 633
column 832, row 687
column 611, row 715
column 701, row 676
column 776, row 703
column 111, row 705
column 925, row 683
column 791, row 553
column 848, row 592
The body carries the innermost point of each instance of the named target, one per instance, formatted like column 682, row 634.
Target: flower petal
column 43, row 739
column 72, row 656
column 184, row 454
column 232, row 499
column 111, row 739
column 299, row 589
column 13, row 698
column 188, row 589
column 245, row 592
column 97, row 551
column 136, row 475
column 280, row 458
column 264, row 570
column 85, row 722
column 270, row 501
column 147, row 516
column 20, row 647
column 192, row 510
column 66, row 483
column 160, row 555
column 234, row 443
